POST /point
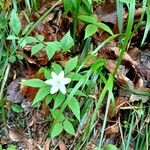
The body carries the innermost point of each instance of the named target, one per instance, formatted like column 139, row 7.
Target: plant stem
column 76, row 19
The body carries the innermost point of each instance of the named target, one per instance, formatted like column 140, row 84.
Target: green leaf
column 55, row 45
column 59, row 100
column 55, row 113
column 12, row 37
column 34, row 83
column 36, row 48
column 75, row 107
column 22, row 42
column 104, row 27
column 47, row 73
column 57, row 129
column 15, row 23
column 12, row 58
column 56, row 67
column 16, row 108
column 90, row 30
column 68, row 127
column 75, row 76
column 51, row 48
column 88, row 19
column 50, row 51
column 48, row 100
column 30, row 39
column 110, row 147
column 11, row 147
column 40, row 38
column 43, row 92
column 67, row 5
column 71, row 64
column 67, row 42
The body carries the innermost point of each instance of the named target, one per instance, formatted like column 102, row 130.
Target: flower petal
column 50, row 82
column 54, row 89
column 61, row 75
column 62, row 89
column 54, row 75
column 65, row 81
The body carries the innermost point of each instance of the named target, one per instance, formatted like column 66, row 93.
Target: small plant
column 93, row 26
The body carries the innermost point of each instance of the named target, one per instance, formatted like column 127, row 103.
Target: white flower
column 58, row 82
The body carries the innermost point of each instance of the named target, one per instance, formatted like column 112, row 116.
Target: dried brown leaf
column 17, row 135
column 107, row 13
column 62, row 146
column 113, row 129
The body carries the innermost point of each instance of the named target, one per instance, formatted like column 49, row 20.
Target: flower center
column 58, row 82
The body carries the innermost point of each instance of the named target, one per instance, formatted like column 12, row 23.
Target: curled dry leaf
column 62, row 146
column 47, row 144
column 114, row 112
column 13, row 92
column 141, row 98
column 113, row 129
column 107, row 13
column 17, row 135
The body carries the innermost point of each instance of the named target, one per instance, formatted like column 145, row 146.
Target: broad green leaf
column 36, row 48
column 67, row 5
column 104, row 27
column 75, row 107
column 40, row 38
column 75, row 76
column 71, row 64
column 46, row 71
column 55, row 45
column 55, row 113
column 16, row 108
column 68, row 127
column 12, row 58
column 50, row 51
column 51, row 48
column 67, row 42
column 48, row 99
column 90, row 30
column 15, row 23
column 88, row 19
column 110, row 147
column 57, row 129
column 41, row 94
column 59, row 100
column 34, row 83
column 22, row 42
column 30, row 39
column 11, row 147
column 56, row 67
column 12, row 37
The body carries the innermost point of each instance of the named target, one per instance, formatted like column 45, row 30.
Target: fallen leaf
column 47, row 144
column 113, row 129
column 62, row 146
column 17, row 135
column 13, row 92
column 107, row 13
